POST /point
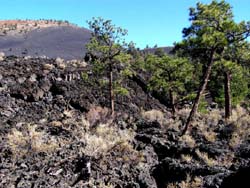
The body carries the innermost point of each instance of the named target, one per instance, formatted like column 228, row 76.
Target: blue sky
column 148, row 21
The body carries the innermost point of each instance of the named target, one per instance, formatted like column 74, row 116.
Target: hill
column 43, row 38
column 48, row 38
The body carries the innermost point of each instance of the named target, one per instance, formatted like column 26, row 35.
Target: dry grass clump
column 59, row 60
column 178, row 122
column 205, row 158
column 213, row 117
column 226, row 160
column 210, row 136
column 153, row 115
column 48, row 67
column 188, row 141
column 206, row 124
column 235, row 140
column 237, row 113
column 241, row 121
column 56, row 123
column 173, row 124
column 68, row 113
column 105, row 185
column 93, row 183
column 97, row 115
column 105, row 138
column 111, row 147
column 183, row 113
column 30, row 141
column 186, row 158
column 203, row 122
column 60, row 63
column 195, row 182
column 77, row 63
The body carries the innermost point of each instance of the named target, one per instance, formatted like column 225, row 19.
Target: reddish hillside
column 23, row 26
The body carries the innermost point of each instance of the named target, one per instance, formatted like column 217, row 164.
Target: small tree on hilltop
column 107, row 49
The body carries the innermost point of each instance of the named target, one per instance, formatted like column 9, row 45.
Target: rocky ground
column 56, row 132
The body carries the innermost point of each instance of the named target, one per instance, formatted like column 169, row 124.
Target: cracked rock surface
column 49, row 138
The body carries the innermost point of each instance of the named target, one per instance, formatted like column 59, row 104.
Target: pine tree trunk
column 111, row 91
column 172, row 102
column 227, row 92
column 199, row 93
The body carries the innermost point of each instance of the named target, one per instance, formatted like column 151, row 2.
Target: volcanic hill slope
column 56, row 132
column 43, row 38
column 48, row 38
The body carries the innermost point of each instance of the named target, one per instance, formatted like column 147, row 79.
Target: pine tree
column 107, row 49
column 169, row 76
column 212, row 30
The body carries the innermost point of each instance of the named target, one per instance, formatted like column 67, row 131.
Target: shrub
column 188, row 141
column 195, row 182
column 105, row 138
column 30, row 141
column 153, row 115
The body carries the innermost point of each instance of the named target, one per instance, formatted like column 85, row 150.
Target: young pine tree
column 169, row 75
column 107, row 49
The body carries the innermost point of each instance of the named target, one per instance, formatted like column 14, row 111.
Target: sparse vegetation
column 107, row 51
column 30, row 141
column 195, row 182
column 153, row 115
column 56, row 129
